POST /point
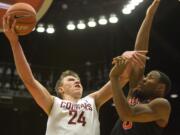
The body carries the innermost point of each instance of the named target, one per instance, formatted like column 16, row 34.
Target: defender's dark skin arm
column 157, row 110
column 142, row 43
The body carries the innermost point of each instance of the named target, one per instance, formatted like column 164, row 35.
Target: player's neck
column 70, row 98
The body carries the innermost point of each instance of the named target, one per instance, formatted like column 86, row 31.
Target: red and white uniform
column 68, row 118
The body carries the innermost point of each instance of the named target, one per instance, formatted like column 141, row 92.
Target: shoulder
column 162, row 108
column 89, row 100
column 88, row 97
column 161, row 105
column 160, row 101
column 56, row 98
column 56, row 101
column 93, row 94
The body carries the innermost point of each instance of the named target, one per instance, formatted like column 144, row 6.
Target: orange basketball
column 25, row 16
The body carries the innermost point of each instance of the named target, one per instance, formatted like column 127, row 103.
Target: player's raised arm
column 142, row 41
column 39, row 92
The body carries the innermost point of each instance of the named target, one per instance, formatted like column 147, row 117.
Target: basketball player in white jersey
column 70, row 114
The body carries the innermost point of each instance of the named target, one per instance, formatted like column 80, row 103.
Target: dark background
column 89, row 52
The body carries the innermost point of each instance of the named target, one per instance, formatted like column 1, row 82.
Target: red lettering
column 127, row 125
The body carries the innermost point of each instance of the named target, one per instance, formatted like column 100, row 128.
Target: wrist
column 13, row 41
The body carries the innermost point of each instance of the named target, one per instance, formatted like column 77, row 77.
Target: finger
column 134, row 61
column 8, row 22
column 142, row 51
column 13, row 26
column 139, row 62
column 115, row 60
column 139, row 59
column 122, row 61
column 142, row 56
column 118, row 58
column 4, row 21
column 128, row 54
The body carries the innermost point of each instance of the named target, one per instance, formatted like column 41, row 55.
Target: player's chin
column 78, row 93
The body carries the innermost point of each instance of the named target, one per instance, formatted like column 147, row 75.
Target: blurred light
column 21, row 87
column 8, row 71
column 130, row 6
column 81, row 25
column 135, row 2
column 40, row 28
column 113, row 18
column 174, row 95
column 102, row 20
column 50, row 29
column 88, row 63
column 15, row 72
column 7, row 85
column 71, row 26
column 113, row 105
column 126, row 11
column 15, row 109
column 91, row 22
column 64, row 6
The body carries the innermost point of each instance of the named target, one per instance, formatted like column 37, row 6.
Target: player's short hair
column 165, row 80
column 62, row 76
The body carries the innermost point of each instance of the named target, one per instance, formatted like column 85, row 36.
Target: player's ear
column 61, row 90
column 161, row 88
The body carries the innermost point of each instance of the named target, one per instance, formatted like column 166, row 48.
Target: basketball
column 25, row 16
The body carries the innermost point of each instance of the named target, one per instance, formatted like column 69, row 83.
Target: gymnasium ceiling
column 70, row 49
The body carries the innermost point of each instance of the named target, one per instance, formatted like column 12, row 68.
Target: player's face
column 72, row 86
column 149, row 84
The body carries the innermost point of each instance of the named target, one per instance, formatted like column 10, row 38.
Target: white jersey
column 68, row 118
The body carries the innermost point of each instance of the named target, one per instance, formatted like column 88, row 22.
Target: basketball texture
column 25, row 16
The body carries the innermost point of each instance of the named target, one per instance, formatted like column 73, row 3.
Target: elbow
column 126, row 116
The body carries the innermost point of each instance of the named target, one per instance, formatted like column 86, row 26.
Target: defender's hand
column 120, row 63
column 125, row 63
column 136, row 58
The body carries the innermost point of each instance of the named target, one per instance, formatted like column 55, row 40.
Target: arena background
column 89, row 52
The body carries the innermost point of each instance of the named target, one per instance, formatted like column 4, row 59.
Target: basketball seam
column 14, row 11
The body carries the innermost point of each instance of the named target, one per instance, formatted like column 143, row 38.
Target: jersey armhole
column 53, row 105
column 90, row 97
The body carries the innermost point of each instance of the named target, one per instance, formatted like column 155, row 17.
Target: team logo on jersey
column 74, row 106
